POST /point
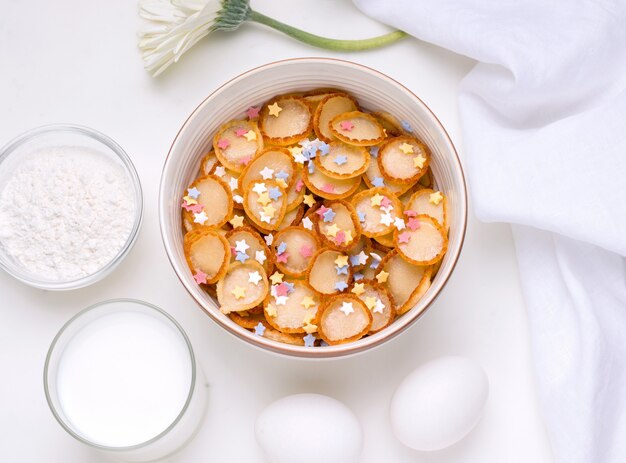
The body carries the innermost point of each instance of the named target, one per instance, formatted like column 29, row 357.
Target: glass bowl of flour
column 70, row 206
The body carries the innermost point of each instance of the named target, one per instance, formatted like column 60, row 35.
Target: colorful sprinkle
column 378, row 182
column 399, row 223
column 259, row 330
column 385, row 202
column 282, row 175
column 193, row 192
column 361, row 216
column 282, row 258
column 274, row 109
column 236, row 221
column 332, row 230
column 413, row 223
column 340, row 238
column 376, row 199
column 406, row 126
column 242, row 257
column 341, row 285
column 240, row 132
column 404, row 237
column 299, row 185
column 275, row 193
column 223, row 143
column 309, row 200
column 340, row 160
column 328, row 188
column 406, row 148
column 282, row 289
column 250, row 135
column 241, row 246
column 341, row 270
column 410, row 213
column 324, row 148
column 346, row 125
column 374, row 151
column 358, row 276
column 307, row 223
column 328, row 215
column 276, row 278
column 269, row 239
column 282, row 247
column 309, row 340
column 382, row 276
column 307, row 301
column 200, row 218
column 306, row 251
column 253, row 112
column 254, row 277
column 347, row 308
column 435, row 198
column 419, row 161
column 195, row 208
column 200, row 277
column 260, row 257
column 358, row 289
column 267, row 173
column 259, row 188
column 239, row 292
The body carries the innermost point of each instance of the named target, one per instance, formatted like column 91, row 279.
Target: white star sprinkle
column 233, row 184
column 362, row 258
column 307, row 223
column 220, row 171
column 379, row 306
column 269, row 239
column 386, row 219
column 399, row 223
column 265, row 218
column 238, row 199
column 281, row 300
column 346, row 308
column 387, row 209
column 241, row 246
column 259, row 188
column 200, row 218
column 254, row 277
column 267, row 173
column 299, row 158
column 259, row 256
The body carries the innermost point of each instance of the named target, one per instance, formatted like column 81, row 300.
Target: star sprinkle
column 282, row 258
column 435, row 198
column 240, row 132
column 306, row 251
column 374, row 151
column 358, row 289
column 324, row 148
column 370, row 302
column 277, row 278
column 361, row 216
column 379, row 307
column 220, row 171
column 259, row 330
column 267, row 173
column 385, row 202
column 406, row 126
column 269, row 239
column 281, row 174
column 321, row 211
column 299, row 185
column 347, row 308
column 281, row 300
column 328, row 188
column 378, row 182
column 410, row 213
column 332, row 230
column 238, row 199
column 307, row 223
column 195, row 208
column 223, row 143
column 260, row 257
column 264, row 199
column 340, row 160
column 309, row 200
column 382, row 276
column 187, row 206
column 399, row 223
column 271, row 310
column 242, row 257
column 265, row 218
column 419, row 161
column 193, row 192
column 200, row 277
column 282, row 247
column 406, row 148
column 386, row 219
column 253, row 112
column 236, row 221
column 241, row 246
column 328, row 215
column 362, row 258
column 233, row 183
column 307, row 301
column 274, row 109
column 269, row 210
column 282, row 289
column 275, row 193
column 309, row 340
column 239, row 292
column 250, row 135
column 340, row 238
column 404, row 237
column 341, row 270
column 413, row 223
column 295, row 150
column 358, row 276
column 309, row 328
column 254, row 278
column 200, row 218
column 376, row 199
column 346, row 125
column 259, row 188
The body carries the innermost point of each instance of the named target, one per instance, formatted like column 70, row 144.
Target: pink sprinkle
column 186, row 206
column 241, row 132
column 233, row 250
column 195, row 208
column 282, row 289
column 200, row 277
column 347, row 126
column 385, row 202
column 410, row 213
column 299, row 185
column 328, row 188
column 245, row 161
column 223, row 143
column 321, row 211
column 306, row 250
column 340, row 237
column 252, row 112
column 282, row 257
column 404, row 237
column 413, row 223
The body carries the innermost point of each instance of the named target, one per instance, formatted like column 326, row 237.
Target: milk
column 123, row 378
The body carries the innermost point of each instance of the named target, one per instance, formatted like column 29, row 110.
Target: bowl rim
column 131, row 171
column 341, row 350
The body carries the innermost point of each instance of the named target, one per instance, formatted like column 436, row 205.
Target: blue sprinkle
column 374, row 151
column 242, row 257
column 193, row 192
column 361, row 215
column 282, row 174
column 259, row 330
column 378, row 181
column 374, row 264
column 324, row 148
column 275, row 193
column 282, row 247
column 309, row 340
column 341, row 285
column 290, row 287
column 311, row 168
column 329, row 215
column 341, row 270
column 354, row 260
column 406, row 126
column 341, row 160
column 358, row 276
column 324, row 344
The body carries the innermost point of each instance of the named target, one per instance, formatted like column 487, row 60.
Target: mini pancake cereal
column 314, row 221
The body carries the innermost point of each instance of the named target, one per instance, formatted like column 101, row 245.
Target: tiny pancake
column 271, row 161
column 300, row 245
column 295, row 312
column 390, row 123
column 237, row 143
column 238, row 290
column 286, row 120
column 332, row 105
column 406, row 282
column 323, row 276
column 338, row 225
column 437, row 208
column 343, row 318
column 378, row 300
column 216, row 203
column 343, row 161
column 423, row 245
column 231, row 178
column 376, row 218
column 254, row 247
column 285, row 338
column 357, row 128
column 207, row 251
column 265, row 212
column 374, row 176
column 327, row 187
column 207, row 163
column 403, row 159
column 314, row 97
column 247, row 320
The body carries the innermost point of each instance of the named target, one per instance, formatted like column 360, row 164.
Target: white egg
column 439, row 403
column 309, row 428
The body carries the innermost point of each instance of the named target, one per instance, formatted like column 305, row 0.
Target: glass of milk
column 121, row 376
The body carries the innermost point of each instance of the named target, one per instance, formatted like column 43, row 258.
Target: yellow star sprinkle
column 419, row 161
column 236, row 221
column 239, row 292
column 269, row 210
column 277, row 278
column 370, row 302
column 309, row 200
column 406, row 148
column 382, row 276
column 271, row 310
column 189, row 200
column 250, row 135
column 359, row 288
column 332, row 230
column 274, row 109
column 264, row 198
column 435, row 198
column 295, row 150
column 308, row 318
column 348, row 234
column 281, row 182
column 376, row 199
column 310, row 328
column 341, row 261
column 307, row 302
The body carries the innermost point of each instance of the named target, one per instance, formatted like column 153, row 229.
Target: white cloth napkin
column 543, row 115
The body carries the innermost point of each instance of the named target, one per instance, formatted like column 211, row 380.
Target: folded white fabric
column 543, row 115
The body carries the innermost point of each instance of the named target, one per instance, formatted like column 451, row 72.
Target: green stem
column 323, row 42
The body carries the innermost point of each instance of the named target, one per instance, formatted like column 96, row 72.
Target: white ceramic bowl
column 374, row 91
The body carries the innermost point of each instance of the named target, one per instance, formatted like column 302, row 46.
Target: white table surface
column 76, row 61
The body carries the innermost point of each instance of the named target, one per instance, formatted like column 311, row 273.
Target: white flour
column 65, row 212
